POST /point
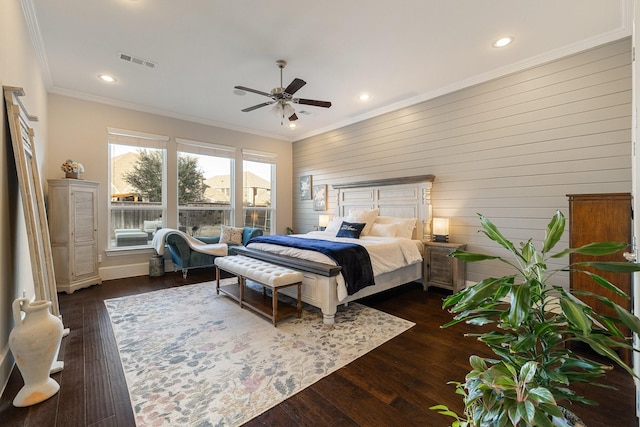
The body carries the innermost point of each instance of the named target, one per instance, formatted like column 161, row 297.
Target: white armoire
column 73, row 228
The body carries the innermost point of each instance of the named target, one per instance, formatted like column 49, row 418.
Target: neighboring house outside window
column 137, row 183
column 205, row 182
column 258, row 190
column 205, row 187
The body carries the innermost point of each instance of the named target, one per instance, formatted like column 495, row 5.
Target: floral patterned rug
column 195, row 358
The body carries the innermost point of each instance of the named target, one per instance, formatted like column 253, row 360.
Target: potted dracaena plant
column 533, row 321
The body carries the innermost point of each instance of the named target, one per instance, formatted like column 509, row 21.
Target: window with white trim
column 258, row 190
column 137, row 187
column 205, row 187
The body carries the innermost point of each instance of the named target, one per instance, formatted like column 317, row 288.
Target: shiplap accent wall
column 511, row 149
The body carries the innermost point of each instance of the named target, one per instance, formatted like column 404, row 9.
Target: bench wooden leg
column 245, row 297
column 241, row 285
column 274, row 298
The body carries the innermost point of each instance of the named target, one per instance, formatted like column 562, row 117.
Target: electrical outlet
column 100, row 258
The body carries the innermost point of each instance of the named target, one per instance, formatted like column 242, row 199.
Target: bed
column 398, row 201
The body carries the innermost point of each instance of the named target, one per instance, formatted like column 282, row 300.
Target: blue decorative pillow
column 351, row 229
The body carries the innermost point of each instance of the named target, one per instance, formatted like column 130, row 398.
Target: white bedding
column 386, row 253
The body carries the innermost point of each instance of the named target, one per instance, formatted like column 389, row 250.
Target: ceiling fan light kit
column 283, row 97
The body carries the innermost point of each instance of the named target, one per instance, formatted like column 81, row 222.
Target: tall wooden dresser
column 73, row 227
column 601, row 218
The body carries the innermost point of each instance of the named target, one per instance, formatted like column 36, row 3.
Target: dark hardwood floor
column 393, row 385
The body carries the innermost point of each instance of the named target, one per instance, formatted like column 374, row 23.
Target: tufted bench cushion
column 268, row 275
column 258, row 271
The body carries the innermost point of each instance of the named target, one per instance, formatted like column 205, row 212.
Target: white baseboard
column 120, row 272
column 129, row 270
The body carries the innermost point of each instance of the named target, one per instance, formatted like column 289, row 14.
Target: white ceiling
column 401, row 52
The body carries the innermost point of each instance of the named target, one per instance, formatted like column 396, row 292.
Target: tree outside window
column 205, row 184
column 205, row 187
column 136, row 204
column 145, row 177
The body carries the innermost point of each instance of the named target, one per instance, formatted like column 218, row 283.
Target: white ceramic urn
column 34, row 342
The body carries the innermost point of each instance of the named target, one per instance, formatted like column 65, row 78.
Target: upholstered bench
column 265, row 274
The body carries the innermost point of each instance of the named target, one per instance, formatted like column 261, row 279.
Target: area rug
column 195, row 358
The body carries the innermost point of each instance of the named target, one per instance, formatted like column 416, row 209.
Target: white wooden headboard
column 407, row 197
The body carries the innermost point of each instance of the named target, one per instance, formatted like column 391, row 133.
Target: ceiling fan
column 281, row 97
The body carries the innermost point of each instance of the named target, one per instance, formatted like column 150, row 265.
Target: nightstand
column 441, row 270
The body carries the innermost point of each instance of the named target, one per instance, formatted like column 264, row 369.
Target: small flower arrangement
column 71, row 166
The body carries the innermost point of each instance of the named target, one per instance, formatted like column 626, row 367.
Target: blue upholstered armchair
column 185, row 258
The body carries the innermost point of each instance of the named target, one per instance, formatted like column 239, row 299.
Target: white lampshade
column 323, row 221
column 277, row 110
column 441, row 229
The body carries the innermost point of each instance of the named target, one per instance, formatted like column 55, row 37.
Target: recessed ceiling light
column 292, row 125
column 107, row 78
column 504, row 41
column 364, row 97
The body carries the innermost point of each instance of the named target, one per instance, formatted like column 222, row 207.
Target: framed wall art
column 320, row 197
column 305, row 187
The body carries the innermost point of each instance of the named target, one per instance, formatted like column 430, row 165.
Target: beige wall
column 18, row 67
column 511, row 148
column 78, row 130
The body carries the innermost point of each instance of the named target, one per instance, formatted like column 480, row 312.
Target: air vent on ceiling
column 137, row 60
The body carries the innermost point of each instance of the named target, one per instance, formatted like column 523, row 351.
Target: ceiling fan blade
column 293, row 117
column 248, row 89
column 315, row 103
column 294, row 86
column 264, row 104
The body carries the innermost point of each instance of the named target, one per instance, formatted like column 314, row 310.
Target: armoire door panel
column 601, row 218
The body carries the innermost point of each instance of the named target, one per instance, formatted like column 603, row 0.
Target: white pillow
column 230, row 235
column 384, row 230
column 363, row 215
column 334, row 225
column 405, row 225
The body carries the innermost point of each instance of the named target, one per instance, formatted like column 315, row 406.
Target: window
column 258, row 190
column 137, row 182
column 203, row 184
column 205, row 187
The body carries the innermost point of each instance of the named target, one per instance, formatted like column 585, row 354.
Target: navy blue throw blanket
column 353, row 258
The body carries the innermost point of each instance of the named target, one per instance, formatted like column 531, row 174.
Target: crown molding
column 36, row 40
column 145, row 109
column 625, row 30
